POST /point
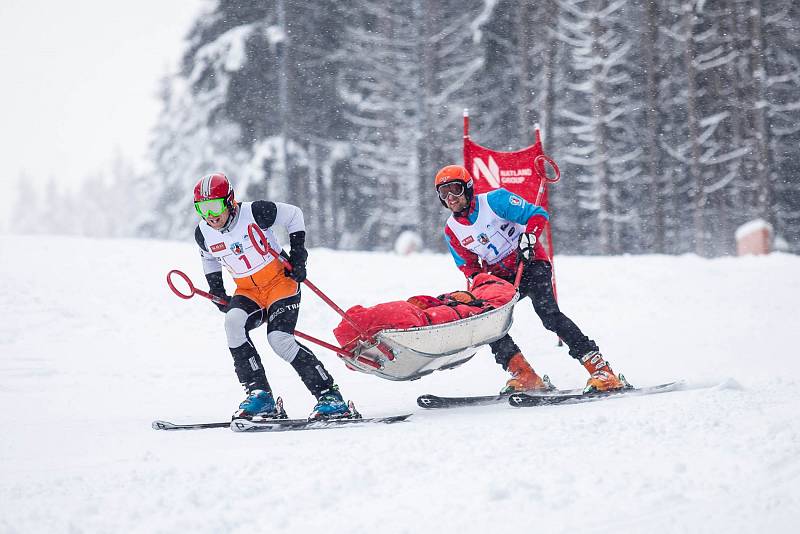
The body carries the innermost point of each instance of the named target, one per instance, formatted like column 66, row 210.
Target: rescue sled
column 394, row 353
column 420, row 351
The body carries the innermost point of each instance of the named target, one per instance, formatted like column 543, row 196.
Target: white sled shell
column 424, row 349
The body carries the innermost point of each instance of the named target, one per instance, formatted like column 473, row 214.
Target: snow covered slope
column 93, row 347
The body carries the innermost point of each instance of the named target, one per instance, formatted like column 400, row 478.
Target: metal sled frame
column 420, row 351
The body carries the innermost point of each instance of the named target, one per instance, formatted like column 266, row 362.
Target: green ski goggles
column 213, row 207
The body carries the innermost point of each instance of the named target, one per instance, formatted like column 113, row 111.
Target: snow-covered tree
column 674, row 121
column 602, row 112
column 26, row 213
column 703, row 162
column 404, row 66
column 775, row 60
column 521, row 50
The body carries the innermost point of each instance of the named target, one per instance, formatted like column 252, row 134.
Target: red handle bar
column 254, row 231
column 192, row 290
column 219, row 300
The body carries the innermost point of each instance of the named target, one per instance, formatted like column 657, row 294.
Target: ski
column 166, row 425
column 523, row 400
column 283, row 425
column 435, row 401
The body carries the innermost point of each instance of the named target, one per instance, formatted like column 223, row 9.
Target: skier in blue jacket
column 494, row 231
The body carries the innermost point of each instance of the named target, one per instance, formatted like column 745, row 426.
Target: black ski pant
column 243, row 315
column 537, row 284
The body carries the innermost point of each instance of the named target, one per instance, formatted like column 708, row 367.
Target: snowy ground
column 93, row 347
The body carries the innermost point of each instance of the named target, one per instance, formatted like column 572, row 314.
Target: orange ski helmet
column 454, row 173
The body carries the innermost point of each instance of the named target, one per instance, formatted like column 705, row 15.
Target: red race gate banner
column 522, row 172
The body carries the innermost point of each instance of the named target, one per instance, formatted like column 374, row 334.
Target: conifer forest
column 673, row 121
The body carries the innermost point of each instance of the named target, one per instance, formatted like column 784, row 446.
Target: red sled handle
column 254, row 231
column 257, row 239
column 192, row 290
column 345, row 354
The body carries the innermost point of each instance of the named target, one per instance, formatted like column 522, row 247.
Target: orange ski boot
column 523, row 377
column 602, row 377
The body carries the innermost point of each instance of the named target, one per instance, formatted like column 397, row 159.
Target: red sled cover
column 447, row 313
column 488, row 292
column 492, row 289
column 397, row 314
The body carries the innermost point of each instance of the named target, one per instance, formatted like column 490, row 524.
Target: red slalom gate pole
column 254, row 229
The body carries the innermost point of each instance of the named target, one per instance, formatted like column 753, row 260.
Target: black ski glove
column 297, row 257
column 217, row 288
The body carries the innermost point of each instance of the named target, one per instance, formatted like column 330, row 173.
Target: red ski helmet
column 454, row 173
column 212, row 187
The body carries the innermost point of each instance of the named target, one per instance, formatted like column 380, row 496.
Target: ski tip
column 425, row 401
column 162, row 425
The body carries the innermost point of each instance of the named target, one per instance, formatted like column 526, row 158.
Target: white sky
column 79, row 81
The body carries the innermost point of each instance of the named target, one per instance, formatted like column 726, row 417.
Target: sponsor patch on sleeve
column 515, row 200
